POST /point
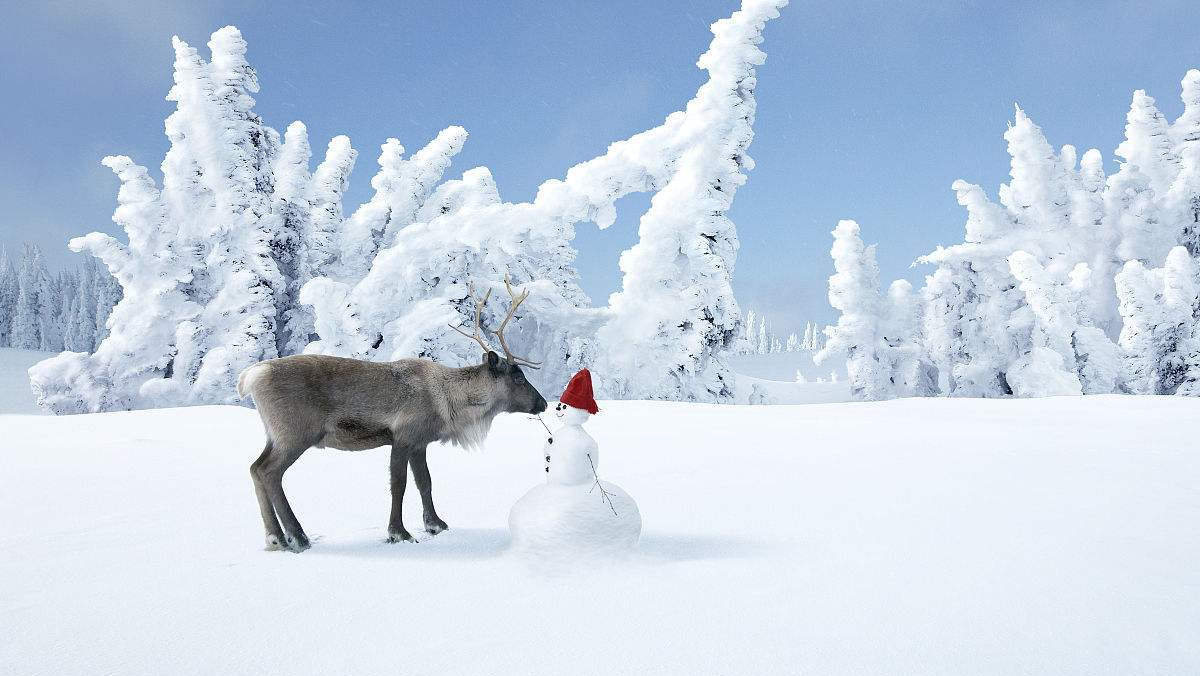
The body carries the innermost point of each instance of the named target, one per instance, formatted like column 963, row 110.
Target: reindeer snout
column 539, row 405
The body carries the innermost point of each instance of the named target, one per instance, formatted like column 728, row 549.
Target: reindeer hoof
column 273, row 543
column 297, row 543
column 402, row 536
column 435, row 526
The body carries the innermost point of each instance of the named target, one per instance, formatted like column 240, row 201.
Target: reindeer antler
column 479, row 303
column 517, row 299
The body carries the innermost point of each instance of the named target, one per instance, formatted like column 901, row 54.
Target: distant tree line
column 54, row 312
column 759, row 337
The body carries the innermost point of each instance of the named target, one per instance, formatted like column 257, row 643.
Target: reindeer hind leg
column 274, row 533
column 272, row 478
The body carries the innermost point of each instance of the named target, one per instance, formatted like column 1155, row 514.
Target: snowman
column 574, row 512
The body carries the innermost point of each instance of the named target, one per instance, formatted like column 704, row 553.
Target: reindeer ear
column 491, row 359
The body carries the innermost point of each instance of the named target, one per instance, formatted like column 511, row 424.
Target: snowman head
column 577, row 404
column 569, row 415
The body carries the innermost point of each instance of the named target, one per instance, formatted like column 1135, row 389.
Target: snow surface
column 774, row 375
column 780, row 392
column 15, row 395
column 933, row 536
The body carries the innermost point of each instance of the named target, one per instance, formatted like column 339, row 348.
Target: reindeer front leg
column 399, row 471
column 420, row 470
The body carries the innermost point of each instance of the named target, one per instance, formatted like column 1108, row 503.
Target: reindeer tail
column 245, row 383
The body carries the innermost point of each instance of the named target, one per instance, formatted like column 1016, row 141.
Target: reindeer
column 350, row 404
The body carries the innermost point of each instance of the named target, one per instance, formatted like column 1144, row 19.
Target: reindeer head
column 511, row 391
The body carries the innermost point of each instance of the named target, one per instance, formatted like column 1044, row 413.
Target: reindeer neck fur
column 470, row 406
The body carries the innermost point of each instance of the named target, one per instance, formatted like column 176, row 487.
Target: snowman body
column 574, row 456
column 574, row 513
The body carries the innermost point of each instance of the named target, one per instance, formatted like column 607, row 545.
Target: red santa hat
column 579, row 392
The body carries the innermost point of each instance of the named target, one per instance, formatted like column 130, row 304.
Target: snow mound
column 553, row 522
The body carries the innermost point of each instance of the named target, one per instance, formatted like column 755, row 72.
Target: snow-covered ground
column 775, row 375
column 790, row 392
column 15, row 395
column 933, row 536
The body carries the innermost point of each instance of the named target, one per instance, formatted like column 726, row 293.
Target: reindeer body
column 353, row 405
column 350, row 404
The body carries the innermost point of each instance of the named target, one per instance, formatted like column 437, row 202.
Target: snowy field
column 935, row 536
column 15, row 395
column 775, row 376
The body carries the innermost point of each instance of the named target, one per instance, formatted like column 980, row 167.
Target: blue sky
column 866, row 110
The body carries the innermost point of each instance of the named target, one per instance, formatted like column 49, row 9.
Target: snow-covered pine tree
column 1132, row 213
column 1183, row 197
column 9, row 289
column 750, row 333
column 985, row 296
column 401, row 188
column 900, row 350
column 687, row 245
column 1096, row 241
column 107, row 294
column 209, row 253
column 812, row 336
column 1137, row 287
column 81, row 323
column 1047, row 366
column 854, row 291
column 314, row 205
column 793, row 342
column 943, row 324
column 29, row 314
column 1179, row 359
column 328, row 185
column 1098, row 360
column 477, row 188
column 290, row 202
column 133, row 364
column 1147, row 143
column 50, row 314
column 244, row 293
column 1036, row 195
column 69, row 292
column 1159, row 307
column 1135, row 209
